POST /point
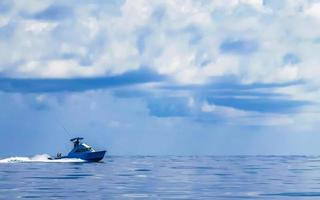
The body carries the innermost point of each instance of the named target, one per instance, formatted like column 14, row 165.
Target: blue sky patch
column 5, row 6
column 238, row 46
column 159, row 13
column 7, row 31
column 168, row 107
column 291, row 59
column 54, row 13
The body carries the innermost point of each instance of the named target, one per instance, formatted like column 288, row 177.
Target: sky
column 161, row 77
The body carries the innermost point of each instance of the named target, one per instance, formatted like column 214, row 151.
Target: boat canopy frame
column 76, row 139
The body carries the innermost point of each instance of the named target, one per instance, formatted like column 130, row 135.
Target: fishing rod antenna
column 65, row 130
column 63, row 127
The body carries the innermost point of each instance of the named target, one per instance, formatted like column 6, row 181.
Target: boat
column 81, row 151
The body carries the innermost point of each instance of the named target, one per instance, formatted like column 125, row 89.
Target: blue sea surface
column 163, row 177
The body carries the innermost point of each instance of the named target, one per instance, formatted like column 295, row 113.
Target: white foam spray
column 39, row 158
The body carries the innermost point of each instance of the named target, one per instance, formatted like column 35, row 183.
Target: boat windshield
column 83, row 148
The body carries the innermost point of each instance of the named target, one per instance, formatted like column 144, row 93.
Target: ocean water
column 163, row 177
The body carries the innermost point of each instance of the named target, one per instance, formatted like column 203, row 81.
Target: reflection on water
column 233, row 177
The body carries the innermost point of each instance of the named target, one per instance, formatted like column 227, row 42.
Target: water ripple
column 296, row 194
column 175, row 177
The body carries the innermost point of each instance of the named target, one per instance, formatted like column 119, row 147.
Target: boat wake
column 39, row 158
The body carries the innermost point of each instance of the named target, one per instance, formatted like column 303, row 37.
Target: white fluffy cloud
column 254, row 41
column 181, row 39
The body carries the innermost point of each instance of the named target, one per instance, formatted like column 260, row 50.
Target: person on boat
column 76, row 143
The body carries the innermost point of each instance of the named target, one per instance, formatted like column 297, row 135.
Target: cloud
column 253, row 56
column 78, row 84
column 259, row 104
column 313, row 10
column 190, row 43
column 233, row 116
column 223, row 110
column 227, row 103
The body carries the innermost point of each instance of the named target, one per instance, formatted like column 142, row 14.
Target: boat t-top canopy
column 77, row 139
